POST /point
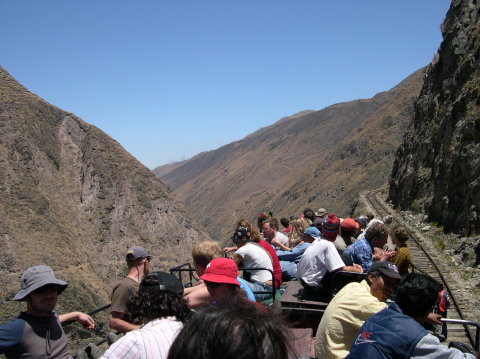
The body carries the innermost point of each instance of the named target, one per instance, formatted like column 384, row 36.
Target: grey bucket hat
column 37, row 277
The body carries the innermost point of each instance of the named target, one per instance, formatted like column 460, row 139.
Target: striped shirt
column 153, row 340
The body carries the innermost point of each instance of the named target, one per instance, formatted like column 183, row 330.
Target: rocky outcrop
column 74, row 199
column 437, row 168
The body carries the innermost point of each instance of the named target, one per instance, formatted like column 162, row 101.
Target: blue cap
column 312, row 231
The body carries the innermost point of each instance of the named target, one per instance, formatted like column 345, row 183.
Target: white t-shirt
column 279, row 236
column 282, row 238
column 255, row 256
column 319, row 258
column 153, row 340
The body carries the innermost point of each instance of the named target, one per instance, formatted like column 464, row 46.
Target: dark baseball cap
column 241, row 235
column 164, row 281
column 386, row 268
column 136, row 252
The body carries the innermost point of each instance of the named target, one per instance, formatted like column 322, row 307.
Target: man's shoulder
column 11, row 333
column 126, row 285
column 126, row 282
column 280, row 235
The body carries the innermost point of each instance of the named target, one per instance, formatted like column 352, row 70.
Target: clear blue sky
column 170, row 79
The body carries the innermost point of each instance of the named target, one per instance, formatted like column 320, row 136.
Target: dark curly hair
column 152, row 302
column 237, row 331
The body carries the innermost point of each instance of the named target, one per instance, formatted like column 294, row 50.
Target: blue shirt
column 294, row 255
column 361, row 253
column 246, row 289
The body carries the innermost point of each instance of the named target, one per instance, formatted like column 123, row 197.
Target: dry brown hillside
column 314, row 158
column 74, row 199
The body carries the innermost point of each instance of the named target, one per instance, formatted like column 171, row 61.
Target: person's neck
column 136, row 274
column 38, row 313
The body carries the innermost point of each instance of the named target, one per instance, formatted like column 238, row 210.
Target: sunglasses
column 212, row 284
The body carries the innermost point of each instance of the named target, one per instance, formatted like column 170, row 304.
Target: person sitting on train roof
column 271, row 234
column 298, row 226
column 319, row 218
column 285, row 222
column 361, row 252
column 222, row 282
column 237, row 331
column 37, row 332
column 309, row 214
column 351, row 306
column 369, row 216
column 402, row 258
column 163, row 311
column 331, row 231
column 349, row 230
column 255, row 237
column 138, row 263
column 253, row 255
column 261, row 217
column 397, row 331
column 202, row 254
column 291, row 255
column 319, row 261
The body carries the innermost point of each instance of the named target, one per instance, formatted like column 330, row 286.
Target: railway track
column 426, row 260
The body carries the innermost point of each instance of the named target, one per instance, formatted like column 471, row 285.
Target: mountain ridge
column 242, row 178
column 74, row 199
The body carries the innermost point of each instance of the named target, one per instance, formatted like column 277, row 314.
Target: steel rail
column 373, row 200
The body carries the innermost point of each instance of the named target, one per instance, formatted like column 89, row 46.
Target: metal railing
column 465, row 323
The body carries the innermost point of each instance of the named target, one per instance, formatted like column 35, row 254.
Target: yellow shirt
column 402, row 259
column 342, row 319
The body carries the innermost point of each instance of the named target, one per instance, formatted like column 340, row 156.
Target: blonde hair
column 299, row 225
column 204, row 252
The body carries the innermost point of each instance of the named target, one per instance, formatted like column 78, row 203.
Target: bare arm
column 84, row 319
column 237, row 258
column 116, row 322
column 229, row 249
column 198, row 298
column 355, row 268
column 282, row 246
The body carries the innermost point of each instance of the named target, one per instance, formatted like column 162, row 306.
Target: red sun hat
column 221, row 270
column 349, row 224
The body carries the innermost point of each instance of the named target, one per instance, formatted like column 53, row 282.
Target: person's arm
column 387, row 255
column 354, row 268
column 429, row 347
column 84, row 319
column 279, row 244
column 434, row 318
column 237, row 258
column 289, row 256
column 11, row 334
column 198, row 298
column 229, row 249
column 116, row 322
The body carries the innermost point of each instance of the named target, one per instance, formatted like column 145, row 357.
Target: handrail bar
column 180, row 269
column 274, row 290
column 465, row 323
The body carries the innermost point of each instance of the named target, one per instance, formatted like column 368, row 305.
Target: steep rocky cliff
column 314, row 158
column 74, row 199
column 437, row 167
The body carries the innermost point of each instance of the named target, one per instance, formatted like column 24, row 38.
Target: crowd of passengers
column 227, row 315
